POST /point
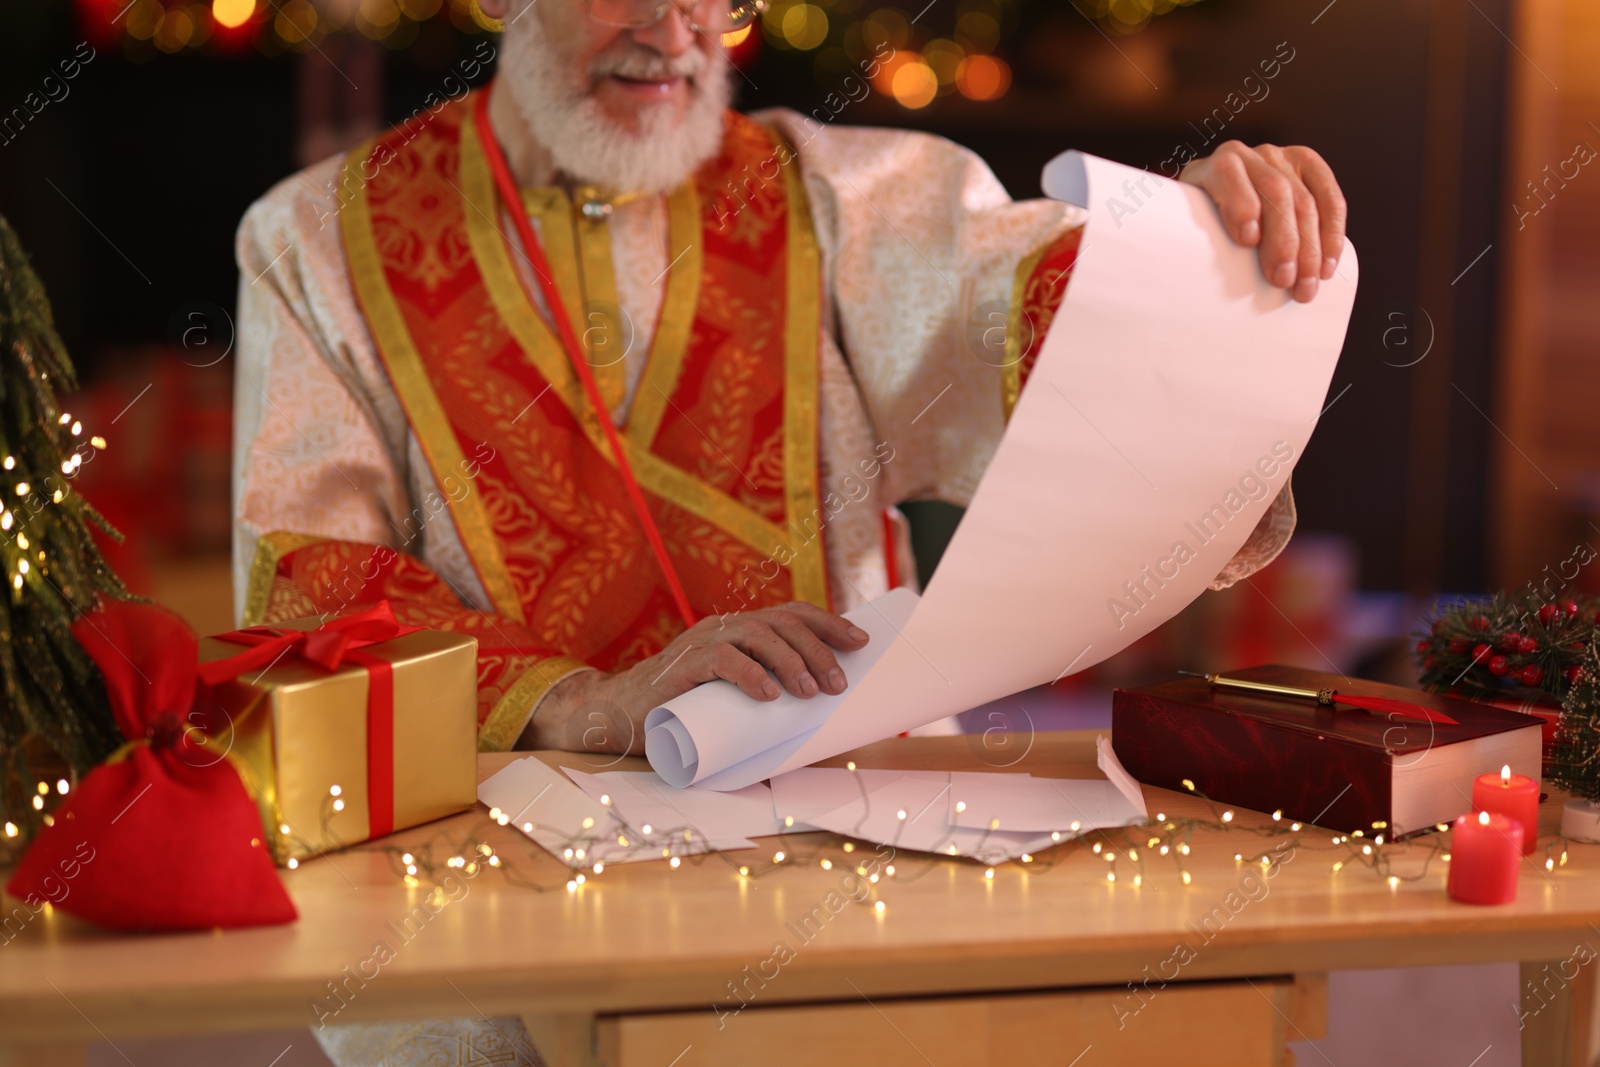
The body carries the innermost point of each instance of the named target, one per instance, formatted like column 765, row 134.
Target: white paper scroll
column 1171, row 399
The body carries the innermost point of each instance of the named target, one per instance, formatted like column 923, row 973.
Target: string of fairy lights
column 18, row 553
column 1131, row 853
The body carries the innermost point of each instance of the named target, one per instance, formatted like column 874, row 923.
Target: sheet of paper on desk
column 641, row 798
column 1169, row 403
column 541, row 803
column 990, row 815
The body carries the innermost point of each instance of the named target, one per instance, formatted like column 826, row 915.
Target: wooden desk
column 1031, row 966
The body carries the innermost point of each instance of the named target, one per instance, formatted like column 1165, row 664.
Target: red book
column 1338, row 767
column 1545, row 708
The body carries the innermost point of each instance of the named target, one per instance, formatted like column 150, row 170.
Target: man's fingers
column 1332, row 212
column 819, row 658
column 1309, row 271
column 1224, row 177
column 792, row 642
column 1280, row 238
column 758, row 640
column 1308, row 257
column 728, row 663
column 836, row 630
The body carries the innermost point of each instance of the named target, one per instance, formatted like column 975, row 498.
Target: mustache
column 643, row 63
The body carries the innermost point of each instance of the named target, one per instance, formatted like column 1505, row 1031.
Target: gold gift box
column 297, row 734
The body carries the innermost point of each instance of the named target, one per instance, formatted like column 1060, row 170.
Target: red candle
column 1515, row 796
column 1485, row 852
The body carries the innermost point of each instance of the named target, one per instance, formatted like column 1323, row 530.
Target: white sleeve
column 310, row 455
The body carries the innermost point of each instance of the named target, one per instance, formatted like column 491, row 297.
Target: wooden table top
column 644, row 936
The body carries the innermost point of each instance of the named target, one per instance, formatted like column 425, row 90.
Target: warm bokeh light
column 914, row 85
column 377, row 18
column 144, row 19
column 1130, row 15
column 944, row 58
column 232, row 14
column 176, row 31
column 883, row 79
column 469, row 17
column 296, row 22
column 805, row 26
column 886, row 26
column 983, row 78
column 735, row 38
column 978, row 31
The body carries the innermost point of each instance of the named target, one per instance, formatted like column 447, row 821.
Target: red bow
column 329, row 646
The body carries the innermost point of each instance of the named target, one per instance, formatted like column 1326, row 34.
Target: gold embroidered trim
column 579, row 254
column 270, row 549
column 661, row 373
column 803, row 352
column 598, row 321
column 1011, row 370
column 512, row 711
column 410, row 379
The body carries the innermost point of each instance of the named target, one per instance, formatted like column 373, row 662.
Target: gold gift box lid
column 297, row 734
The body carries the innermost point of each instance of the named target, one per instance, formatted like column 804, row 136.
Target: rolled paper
column 1515, row 796
column 1485, row 852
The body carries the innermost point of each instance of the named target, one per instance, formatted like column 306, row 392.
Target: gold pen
column 1327, row 697
column 1321, row 696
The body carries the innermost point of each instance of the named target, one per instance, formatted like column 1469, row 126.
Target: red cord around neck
column 569, row 340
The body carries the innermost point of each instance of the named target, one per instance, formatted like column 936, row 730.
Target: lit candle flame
column 1483, row 818
column 1505, row 774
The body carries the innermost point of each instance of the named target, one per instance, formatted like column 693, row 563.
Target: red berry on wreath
column 1531, row 675
column 1526, row 645
column 1480, row 653
column 1507, row 642
column 1499, row 665
column 1423, row 645
column 1547, row 614
column 1572, row 674
column 1458, row 645
column 1569, row 606
column 1479, row 623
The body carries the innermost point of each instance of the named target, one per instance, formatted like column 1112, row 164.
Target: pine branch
column 1503, row 646
column 54, row 716
column 1575, row 764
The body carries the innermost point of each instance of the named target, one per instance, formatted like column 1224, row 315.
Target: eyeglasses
column 706, row 16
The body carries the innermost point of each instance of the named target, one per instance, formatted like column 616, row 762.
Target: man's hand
column 1283, row 199
column 596, row 712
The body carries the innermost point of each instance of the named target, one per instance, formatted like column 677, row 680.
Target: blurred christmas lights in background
column 911, row 59
column 144, row 29
column 907, row 61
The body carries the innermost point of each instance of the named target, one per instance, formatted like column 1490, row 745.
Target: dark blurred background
column 1460, row 378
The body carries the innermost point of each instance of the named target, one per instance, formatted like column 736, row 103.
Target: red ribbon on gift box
column 330, row 646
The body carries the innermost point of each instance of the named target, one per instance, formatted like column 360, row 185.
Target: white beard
column 588, row 145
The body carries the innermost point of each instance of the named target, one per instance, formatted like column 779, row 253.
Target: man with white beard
column 626, row 384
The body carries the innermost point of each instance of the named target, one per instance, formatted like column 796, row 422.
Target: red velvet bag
column 166, row 838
